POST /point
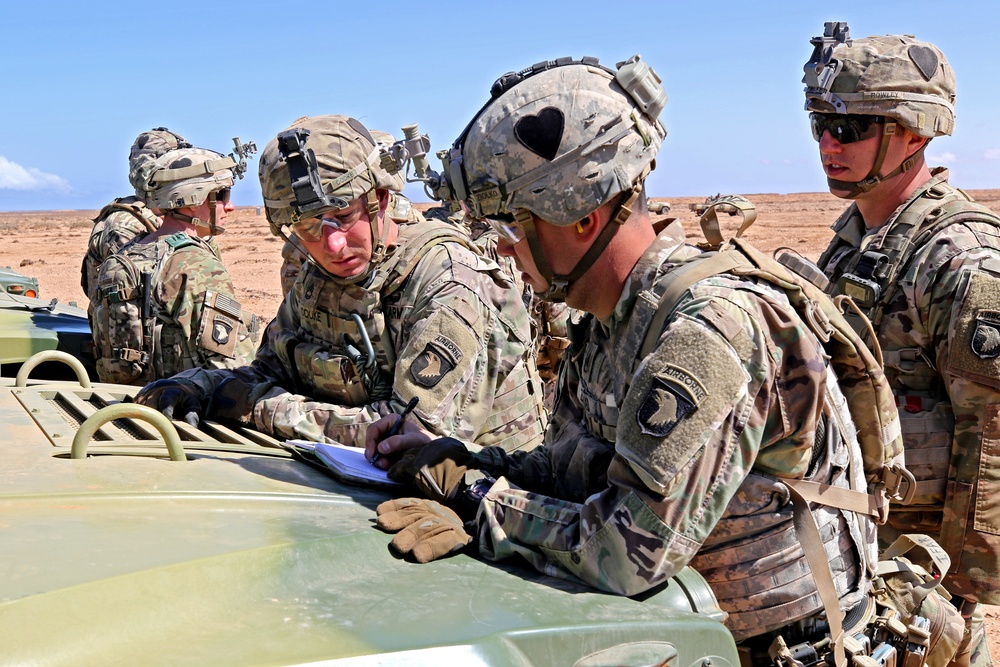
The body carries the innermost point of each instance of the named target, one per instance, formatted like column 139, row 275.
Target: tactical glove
column 427, row 530
column 233, row 399
column 436, row 469
column 172, row 397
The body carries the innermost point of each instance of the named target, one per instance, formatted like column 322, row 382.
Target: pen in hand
column 397, row 426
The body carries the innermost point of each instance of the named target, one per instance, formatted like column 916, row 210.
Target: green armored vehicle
column 14, row 282
column 30, row 325
column 140, row 541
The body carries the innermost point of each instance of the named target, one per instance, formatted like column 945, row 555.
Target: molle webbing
column 883, row 260
column 392, row 273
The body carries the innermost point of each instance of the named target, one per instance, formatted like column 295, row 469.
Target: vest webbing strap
column 424, row 242
column 679, row 281
column 837, row 496
column 819, row 564
column 131, row 210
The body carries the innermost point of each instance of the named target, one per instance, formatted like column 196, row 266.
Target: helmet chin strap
column 857, row 188
column 559, row 285
column 213, row 228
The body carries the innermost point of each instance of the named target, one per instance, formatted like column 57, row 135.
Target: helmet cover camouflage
column 560, row 142
column 896, row 76
column 183, row 177
column 155, row 142
column 346, row 158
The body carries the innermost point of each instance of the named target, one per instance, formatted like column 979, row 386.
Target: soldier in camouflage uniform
column 126, row 217
column 400, row 209
column 164, row 302
column 550, row 320
column 696, row 399
column 382, row 313
column 922, row 260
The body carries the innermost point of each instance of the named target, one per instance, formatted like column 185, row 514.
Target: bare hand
column 411, row 435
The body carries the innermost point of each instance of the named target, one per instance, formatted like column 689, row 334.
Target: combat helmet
column 559, row 140
column 155, row 142
column 184, row 177
column 321, row 164
column 897, row 77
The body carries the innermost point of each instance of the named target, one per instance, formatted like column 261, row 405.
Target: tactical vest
column 831, row 532
column 871, row 279
column 137, row 342
column 343, row 350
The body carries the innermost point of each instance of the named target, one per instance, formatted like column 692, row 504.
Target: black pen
column 398, row 425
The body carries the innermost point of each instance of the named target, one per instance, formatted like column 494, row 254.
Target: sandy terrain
column 50, row 246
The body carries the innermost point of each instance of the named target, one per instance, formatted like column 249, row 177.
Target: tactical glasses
column 222, row 196
column 311, row 229
column 846, row 129
column 506, row 228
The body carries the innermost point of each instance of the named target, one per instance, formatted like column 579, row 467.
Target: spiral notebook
column 348, row 464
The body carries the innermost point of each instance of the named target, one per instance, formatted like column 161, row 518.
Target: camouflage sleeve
column 198, row 297
column 463, row 337
column 961, row 297
column 692, row 424
column 571, row 464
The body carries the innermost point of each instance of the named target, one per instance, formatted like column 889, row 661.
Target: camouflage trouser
column 974, row 651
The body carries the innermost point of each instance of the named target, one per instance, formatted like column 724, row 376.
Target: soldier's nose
column 334, row 239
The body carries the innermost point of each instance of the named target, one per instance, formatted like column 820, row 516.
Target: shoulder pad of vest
column 180, row 240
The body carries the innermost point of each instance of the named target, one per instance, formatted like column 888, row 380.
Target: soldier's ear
column 913, row 140
column 588, row 228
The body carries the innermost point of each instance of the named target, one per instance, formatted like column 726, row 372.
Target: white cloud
column 993, row 154
column 942, row 158
column 15, row 177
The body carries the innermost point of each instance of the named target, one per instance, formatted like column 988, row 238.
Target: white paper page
column 350, row 461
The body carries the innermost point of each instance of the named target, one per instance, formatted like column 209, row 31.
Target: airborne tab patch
column 986, row 336
column 673, row 394
column 439, row 357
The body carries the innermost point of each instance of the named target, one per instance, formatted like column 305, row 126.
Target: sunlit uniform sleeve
column 953, row 294
column 706, row 406
column 455, row 336
column 198, row 332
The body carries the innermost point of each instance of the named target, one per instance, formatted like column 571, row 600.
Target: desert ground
column 50, row 246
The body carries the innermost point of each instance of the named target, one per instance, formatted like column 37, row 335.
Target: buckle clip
column 895, row 478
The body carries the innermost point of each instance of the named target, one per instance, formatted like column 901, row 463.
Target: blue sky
column 80, row 80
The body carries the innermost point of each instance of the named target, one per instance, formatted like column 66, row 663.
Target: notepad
column 346, row 463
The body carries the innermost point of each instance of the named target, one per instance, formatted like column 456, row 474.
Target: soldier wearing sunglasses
column 164, row 302
column 922, row 261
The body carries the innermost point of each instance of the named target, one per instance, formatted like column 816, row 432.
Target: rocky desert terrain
column 50, row 246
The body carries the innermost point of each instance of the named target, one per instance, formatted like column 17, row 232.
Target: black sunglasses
column 844, row 128
column 222, row 196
